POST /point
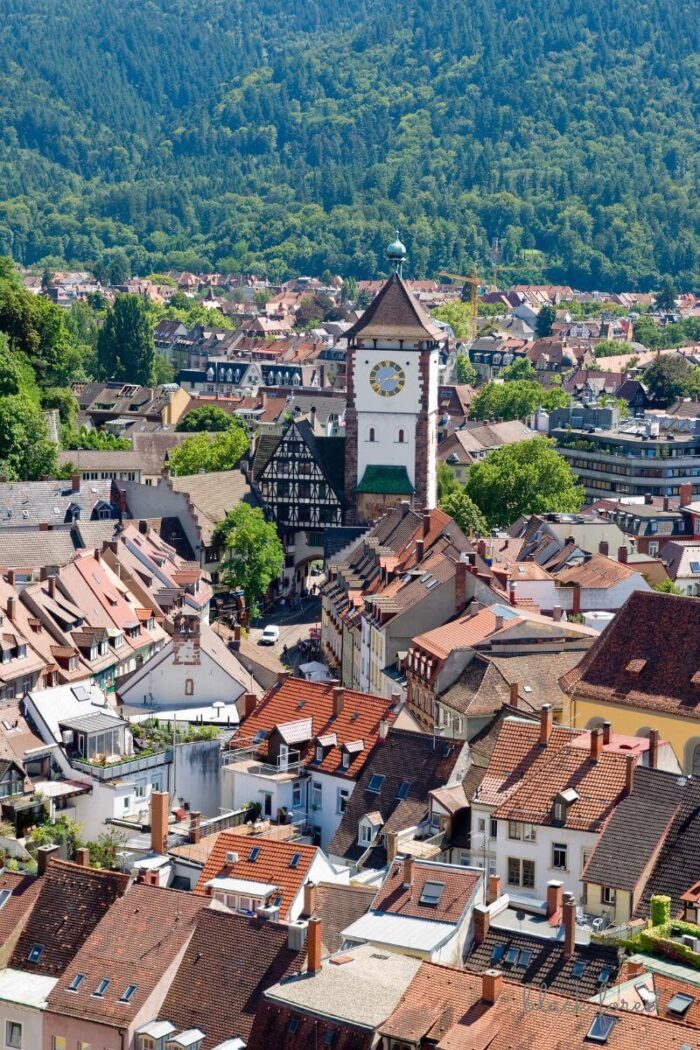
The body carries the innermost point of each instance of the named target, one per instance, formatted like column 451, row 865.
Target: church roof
column 386, row 480
column 395, row 313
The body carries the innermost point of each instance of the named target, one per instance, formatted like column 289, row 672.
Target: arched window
column 371, row 434
column 402, row 438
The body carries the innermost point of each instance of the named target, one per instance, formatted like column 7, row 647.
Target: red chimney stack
column 546, row 724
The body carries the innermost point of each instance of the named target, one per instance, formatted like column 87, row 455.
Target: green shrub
column 660, row 910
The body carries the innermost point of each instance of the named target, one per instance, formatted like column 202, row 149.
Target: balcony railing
column 123, row 766
column 291, row 764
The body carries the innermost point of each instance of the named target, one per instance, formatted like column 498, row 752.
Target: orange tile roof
column 395, row 898
column 517, row 750
column 460, row 634
column 294, row 699
column 598, row 572
column 271, row 865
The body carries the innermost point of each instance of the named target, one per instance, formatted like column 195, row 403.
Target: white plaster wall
column 541, row 852
column 164, row 683
column 387, row 414
column 327, row 818
column 31, row 1019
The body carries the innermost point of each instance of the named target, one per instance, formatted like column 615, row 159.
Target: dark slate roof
column 229, row 963
column 70, row 904
column 28, row 503
column 547, row 964
column 264, row 451
column 338, row 906
column 272, row 1029
column 636, row 830
column 389, row 480
column 329, row 453
column 678, row 863
column 396, row 313
column 335, row 539
column 404, row 755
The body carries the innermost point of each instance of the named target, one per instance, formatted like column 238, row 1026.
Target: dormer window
column 319, row 753
column 118, row 641
column 346, row 760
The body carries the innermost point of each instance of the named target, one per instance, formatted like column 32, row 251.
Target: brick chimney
column 607, row 729
column 622, row 555
column 569, row 910
column 408, row 872
column 513, row 694
column 43, row 856
column 75, row 482
column 481, row 548
column 512, row 597
column 426, row 524
column 482, row 920
column 546, row 724
column 309, row 900
column 460, row 586
column 11, row 607
column 494, row 887
column 556, row 613
column 654, row 749
column 338, row 700
column 160, row 806
column 685, row 495
column 195, row 826
column 629, row 774
column 491, row 985
column 667, row 503
column 249, row 703
column 596, row 744
column 554, row 896
column 143, row 526
column 420, row 549
column 603, row 548
column 52, row 586
column 313, row 946
column 648, row 499
column 82, row 857
column 391, row 840
column 576, row 599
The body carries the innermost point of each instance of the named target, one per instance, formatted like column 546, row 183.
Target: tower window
column 401, row 438
column 372, row 436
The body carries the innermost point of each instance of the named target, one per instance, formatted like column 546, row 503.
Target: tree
column 209, row 452
column 208, row 418
column 464, row 370
column 446, row 482
column 348, row 290
column 10, row 377
column 458, row 316
column 529, row 477
column 520, row 368
column 544, row 323
column 516, row 399
column 668, row 587
column 668, row 378
column 62, row 832
column 163, row 371
column 464, row 511
column 105, row 848
column 253, row 557
column 665, row 299
column 611, row 348
column 26, row 452
column 125, row 347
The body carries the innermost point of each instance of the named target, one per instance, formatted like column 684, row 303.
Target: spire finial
column 396, row 253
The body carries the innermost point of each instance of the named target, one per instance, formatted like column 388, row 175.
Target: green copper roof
column 396, row 250
column 386, row 480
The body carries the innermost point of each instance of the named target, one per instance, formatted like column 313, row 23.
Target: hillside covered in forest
column 292, row 137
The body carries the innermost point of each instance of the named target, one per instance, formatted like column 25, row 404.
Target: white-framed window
column 559, row 852
column 514, row 830
column 607, row 895
column 493, row 828
column 482, row 824
column 13, row 1035
column 316, row 794
column 559, row 812
column 297, row 794
column 529, row 833
column 343, row 796
column 365, row 836
column 58, row 1042
column 189, row 686
column 319, row 753
column 521, row 872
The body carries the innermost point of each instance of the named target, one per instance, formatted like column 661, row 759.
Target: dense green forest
column 292, row 137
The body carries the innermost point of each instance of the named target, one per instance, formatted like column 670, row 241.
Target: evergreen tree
column 125, row 347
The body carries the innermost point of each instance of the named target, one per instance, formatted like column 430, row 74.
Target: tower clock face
column 387, row 378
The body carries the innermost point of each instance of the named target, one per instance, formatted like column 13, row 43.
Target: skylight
column 35, row 953
column 497, row 954
column 76, row 982
column 524, row 959
column 601, row 1028
column 128, row 993
column 578, row 970
column 101, row 988
column 512, row 956
column 259, row 736
column 404, row 788
column 296, row 857
column 432, row 893
column 329, row 1038
column 604, row 976
column 293, row 1027
column 254, row 854
column 4, row 896
column 376, row 782
column 680, row 1004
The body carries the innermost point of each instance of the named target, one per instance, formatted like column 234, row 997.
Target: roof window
column 679, row 1004
column 601, row 1028
column 128, row 993
column 404, row 788
column 579, row 968
column 524, row 959
column 76, row 982
column 293, row 1026
column 35, row 953
column 512, row 956
column 254, row 854
column 376, row 782
column 432, row 893
column 497, row 954
column 101, row 988
column 294, row 862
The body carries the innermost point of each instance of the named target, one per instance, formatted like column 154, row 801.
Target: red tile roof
column 459, row 888
column 293, row 700
column 272, row 864
column 599, row 572
column 24, row 891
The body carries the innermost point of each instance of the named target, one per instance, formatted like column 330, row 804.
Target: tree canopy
column 208, row 417
column 516, row 399
column 670, row 377
column 125, row 347
column 464, row 370
column 209, row 452
column 253, row 557
column 528, row 477
column 462, row 509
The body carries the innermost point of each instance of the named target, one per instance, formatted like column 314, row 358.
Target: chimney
column 648, row 499
column 491, row 984
column 576, row 599
column 622, row 555
column 511, row 592
column 195, row 826
column 654, row 749
column 481, row 548
column 160, row 805
column 52, row 586
column 513, row 694
column 596, row 744
column 460, row 586
column 603, row 548
column 546, row 723
column 556, row 613
column 629, row 774
column 313, row 946
column 481, row 924
column 607, row 727
column 43, row 856
column 554, row 897
column 408, row 868
column 150, row 877
column 569, row 909
column 426, row 524
column 383, row 729
column 499, row 623
column 667, row 503
column 75, row 482
column 236, row 643
column 309, row 899
column 391, row 840
column 97, row 554
column 249, row 702
column 685, row 494
column 494, row 887
column 143, row 526
column 338, row 700
column 11, row 607
column 420, row 549
column 11, row 576
column 82, row 857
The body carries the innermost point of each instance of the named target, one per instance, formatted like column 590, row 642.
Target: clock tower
column 392, row 406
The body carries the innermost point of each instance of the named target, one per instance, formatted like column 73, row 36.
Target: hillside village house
column 643, row 673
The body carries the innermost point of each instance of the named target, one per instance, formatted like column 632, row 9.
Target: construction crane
column 474, row 281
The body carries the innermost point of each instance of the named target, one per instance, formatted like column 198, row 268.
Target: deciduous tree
column 254, row 556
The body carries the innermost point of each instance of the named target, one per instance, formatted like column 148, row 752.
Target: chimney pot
column 143, row 526
column 11, row 607
column 654, row 749
column 556, row 613
column 648, row 499
column 622, row 555
column 491, row 985
column 629, row 774
column 546, row 724
column 408, row 872
column 313, row 945
column 82, row 857
column 309, row 899
column 607, row 730
column 195, row 826
column 596, row 744
column 43, row 856
column 52, row 586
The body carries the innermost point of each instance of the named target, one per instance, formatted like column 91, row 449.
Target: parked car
column 270, row 635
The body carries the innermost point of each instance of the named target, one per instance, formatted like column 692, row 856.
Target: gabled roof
column 456, row 888
column 338, row 905
column 71, row 902
column 648, row 627
column 133, row 944
column 395, row 313
column 598, row 573
column 678, row 863
column 272, row 865
column 24, row 891
column 229, row 963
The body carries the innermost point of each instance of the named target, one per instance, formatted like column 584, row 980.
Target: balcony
column 246, row 760
column 118, row 767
